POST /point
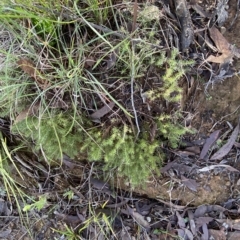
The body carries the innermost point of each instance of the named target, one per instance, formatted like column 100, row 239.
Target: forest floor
column 197, row 195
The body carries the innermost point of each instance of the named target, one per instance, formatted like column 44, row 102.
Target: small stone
column 228, row 184
column 148, row 219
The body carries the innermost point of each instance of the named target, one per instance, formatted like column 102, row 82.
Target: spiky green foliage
column 170, row 130
column 119, row 149
column 175, row 69
column 134, row 159
column 52, row 135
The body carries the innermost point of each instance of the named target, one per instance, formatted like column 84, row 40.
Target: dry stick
column 236, row 15
column 172, row 205
column 132, row 90
column 133, row 67
column 135, row 7
column 107, row 30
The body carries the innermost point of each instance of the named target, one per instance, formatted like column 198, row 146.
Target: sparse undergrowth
column 63, row 65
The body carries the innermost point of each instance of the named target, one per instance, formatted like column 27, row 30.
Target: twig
column 172, row 205
column 236, row 16
column 107, row 30
column 135, row 7
column 132, row 89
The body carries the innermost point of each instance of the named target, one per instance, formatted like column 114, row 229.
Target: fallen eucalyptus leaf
column 208, row 168
column 190, row 183
column 224, row 150
column 222, row 45
column 102, row 111
column 209, row 142
column 138, row 217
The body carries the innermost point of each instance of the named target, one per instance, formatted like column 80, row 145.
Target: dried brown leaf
column 28, row 67
column 208, row 168
column 102, row 111
column 219, row 59
column 190, row 183
column 184, row 233
column 67, row 161
column 237, row 144
column 180, row 168
column 29, row 111
column 112, row 60
column 99, row 184
column 217, row 234
column 222, row 45
column 209, row 142
column 138, row 217
column 181, row 233
column 203, row 220
column 200, row 211
column 233, row 235
column 205, row 235
column 167, row 167
column 89, row 62
column 153, row 130
column 188, row 234
column 224, row 150
column 193, row 149
column 220, row 41
column 72, row 220
column 185, row 153
column 192, row 222
column 181, row 221
column 232, row 223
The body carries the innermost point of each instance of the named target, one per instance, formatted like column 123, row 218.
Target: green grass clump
column 51, row 135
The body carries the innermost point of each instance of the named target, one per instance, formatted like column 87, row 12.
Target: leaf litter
column 28, row 67
column 224, row 150
column 189, row 221
column 209, row 143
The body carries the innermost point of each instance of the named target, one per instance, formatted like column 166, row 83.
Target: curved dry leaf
column 224, row 150
column 208, row 168
column 222, row 45
column 205, row 235
column 192, row 222
column 232, row 223
column 102, row 111
column 189, row 183
column 5, row 234
column 217, row 234
column 209, row 142
column 220, row 41
column 138, row 217
column 181, row 233
column 29, row 111
column 184, row 233
column 28, row 67
column 181, row 221
column 188, row 234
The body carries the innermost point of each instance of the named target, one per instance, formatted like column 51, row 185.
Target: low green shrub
column 133, row 157
column 84, row 57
